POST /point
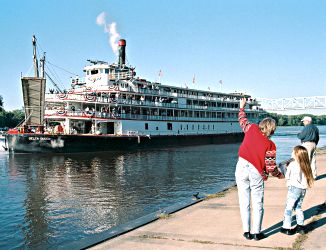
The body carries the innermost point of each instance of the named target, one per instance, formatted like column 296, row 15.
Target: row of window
column 186, row 127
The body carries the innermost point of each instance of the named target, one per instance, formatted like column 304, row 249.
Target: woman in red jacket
column 257, row 159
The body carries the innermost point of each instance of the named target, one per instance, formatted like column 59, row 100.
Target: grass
column 163, row 216
column 219, row 194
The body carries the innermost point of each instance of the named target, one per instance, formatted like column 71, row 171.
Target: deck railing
column 106, row 115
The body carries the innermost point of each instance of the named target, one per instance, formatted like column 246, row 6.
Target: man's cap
column 306, row 118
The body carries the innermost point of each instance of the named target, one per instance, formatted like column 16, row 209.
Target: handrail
column 107, row 100
column 107, row 115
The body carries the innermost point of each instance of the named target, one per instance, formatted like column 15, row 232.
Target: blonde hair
column 267, row 126
column 302, row 157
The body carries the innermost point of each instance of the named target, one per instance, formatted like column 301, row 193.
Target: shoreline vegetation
column 295, row 120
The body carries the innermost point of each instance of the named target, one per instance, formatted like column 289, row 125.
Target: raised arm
column 242, row 117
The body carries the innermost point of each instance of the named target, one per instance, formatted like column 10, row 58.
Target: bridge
column 295, row 105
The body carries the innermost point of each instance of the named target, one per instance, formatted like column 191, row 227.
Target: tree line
column 295, row 120
column 10, row 119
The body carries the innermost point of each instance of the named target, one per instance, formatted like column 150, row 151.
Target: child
column 299, row 177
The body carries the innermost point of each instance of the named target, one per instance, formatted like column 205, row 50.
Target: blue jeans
column 250, row 182
column 294, row 202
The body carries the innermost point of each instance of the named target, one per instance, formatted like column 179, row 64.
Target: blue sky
column 269, row 49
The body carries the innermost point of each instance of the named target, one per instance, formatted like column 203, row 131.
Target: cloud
column 110, row 28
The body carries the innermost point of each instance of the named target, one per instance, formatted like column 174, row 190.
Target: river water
column 52, row 200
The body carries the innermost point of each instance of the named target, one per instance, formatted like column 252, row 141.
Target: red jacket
column 257, row 148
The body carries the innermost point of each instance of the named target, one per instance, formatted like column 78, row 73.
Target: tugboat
column 111, row 109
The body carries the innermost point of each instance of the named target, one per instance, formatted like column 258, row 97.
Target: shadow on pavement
column 321, row 177
column 318, row 209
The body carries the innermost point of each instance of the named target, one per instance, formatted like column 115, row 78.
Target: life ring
column 61, row 112
column 62, row 96
column 89, row 97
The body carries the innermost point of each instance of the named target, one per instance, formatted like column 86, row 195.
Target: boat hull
column 42, row 143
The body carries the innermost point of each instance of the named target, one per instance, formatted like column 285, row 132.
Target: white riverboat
column 110, row 108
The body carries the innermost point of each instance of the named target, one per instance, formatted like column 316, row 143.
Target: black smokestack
column 122, row 52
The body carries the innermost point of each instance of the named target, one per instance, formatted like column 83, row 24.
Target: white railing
column 293, row 103
column 93, row 115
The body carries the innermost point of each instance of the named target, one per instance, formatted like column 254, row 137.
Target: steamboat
column 112, row 109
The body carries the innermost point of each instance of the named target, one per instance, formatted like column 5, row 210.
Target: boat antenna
column 35, row 57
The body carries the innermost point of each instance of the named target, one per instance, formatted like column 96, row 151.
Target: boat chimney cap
column 122, row 42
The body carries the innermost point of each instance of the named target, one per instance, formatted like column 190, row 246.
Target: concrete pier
column 215, row 222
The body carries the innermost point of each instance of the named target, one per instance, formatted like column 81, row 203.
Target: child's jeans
column 249, row 181
column 294, row 202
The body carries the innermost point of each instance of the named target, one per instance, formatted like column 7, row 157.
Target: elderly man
column 309, row 137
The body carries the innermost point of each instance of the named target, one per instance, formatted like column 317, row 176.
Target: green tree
column 282, row 121
column 295, row 120
column 1, row 103
column 12, row 118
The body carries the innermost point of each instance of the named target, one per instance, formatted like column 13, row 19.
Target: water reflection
column 66, row 197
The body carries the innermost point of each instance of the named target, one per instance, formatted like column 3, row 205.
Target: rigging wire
column 61, row 68
column 53, row 82
column 29, row 70
column 51, row 70
column 55, row 75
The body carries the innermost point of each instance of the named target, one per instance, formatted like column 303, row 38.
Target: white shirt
column 295, row 177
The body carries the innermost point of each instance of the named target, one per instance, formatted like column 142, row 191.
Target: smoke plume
column 110, row 28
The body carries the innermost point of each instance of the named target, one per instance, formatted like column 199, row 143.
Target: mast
column 35, row 57
column 42, row 62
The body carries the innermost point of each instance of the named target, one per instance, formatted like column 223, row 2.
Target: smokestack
column 122, row 52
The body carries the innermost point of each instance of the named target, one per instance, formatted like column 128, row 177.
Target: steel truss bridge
column 293, row 103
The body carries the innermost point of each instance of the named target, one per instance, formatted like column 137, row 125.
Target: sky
column 268, row 49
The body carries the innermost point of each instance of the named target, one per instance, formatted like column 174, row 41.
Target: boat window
column 106, row 71
column 169, row 126
column 146, row 126
column 94, row 72
column 101, row 70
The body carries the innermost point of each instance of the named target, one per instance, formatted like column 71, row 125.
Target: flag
column 221, row 82
column 160, row 74
column 209, row 88
column 194, row 79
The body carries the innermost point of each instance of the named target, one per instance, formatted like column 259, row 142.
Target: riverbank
column 215, row 222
